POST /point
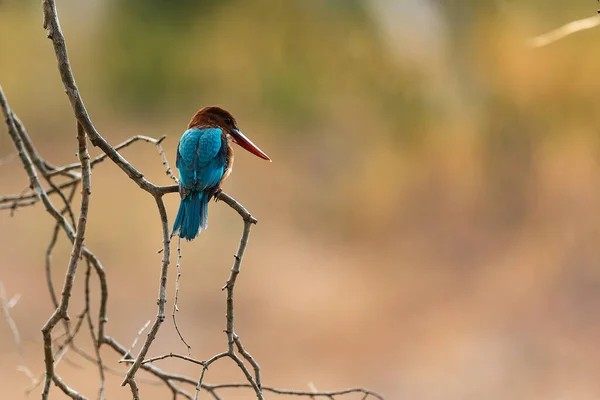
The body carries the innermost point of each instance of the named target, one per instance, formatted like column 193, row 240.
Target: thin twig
column 164, row 356
column 126, row 143
column 128, row 355
column 288, row 392
column 95, row 341
column 207, row 363
column 75, row 395
column 232, row 337
column 50, row 249
column 41, row 165
column 167, row 378
column 23, row 200
column 176, row 302
column 162, row 294
column 248, row 358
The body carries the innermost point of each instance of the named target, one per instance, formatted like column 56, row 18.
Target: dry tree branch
column 79, row 174
column 50, row 250
column 95, row 340
column 28, row 165
column 301, row 393
column 22, row 200
column 42, row 165
column 176, row 302
column 61, row 312
column 52, row 25
column 132, row 140
column 162, row 299
column 128, row 355
column 174, row 355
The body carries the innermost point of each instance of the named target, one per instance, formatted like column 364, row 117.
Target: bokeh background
column 429, row 227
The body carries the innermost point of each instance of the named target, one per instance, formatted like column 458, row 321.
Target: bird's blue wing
column 198, row 162
column 198, row 146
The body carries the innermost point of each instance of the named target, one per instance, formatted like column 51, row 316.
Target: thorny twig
column 78, row 174
column 176, row 302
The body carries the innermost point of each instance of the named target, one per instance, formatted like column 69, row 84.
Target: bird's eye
column 228, row 120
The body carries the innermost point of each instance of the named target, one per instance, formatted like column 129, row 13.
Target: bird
column 204, row 160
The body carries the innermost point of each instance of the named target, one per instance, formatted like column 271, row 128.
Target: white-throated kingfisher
column 204, row 161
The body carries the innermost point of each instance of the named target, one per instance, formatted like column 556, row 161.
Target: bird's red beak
column 239, row 138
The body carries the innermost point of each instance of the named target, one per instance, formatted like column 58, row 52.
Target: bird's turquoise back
column 201, row 161
column 201, row 158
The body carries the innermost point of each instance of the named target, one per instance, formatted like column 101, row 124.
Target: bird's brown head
column 213, row 117
column 216, row 117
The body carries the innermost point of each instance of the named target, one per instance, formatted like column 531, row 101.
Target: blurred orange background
column 428, row 227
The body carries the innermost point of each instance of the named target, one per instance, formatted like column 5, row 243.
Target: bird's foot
column 215, row 196
column 183, row 192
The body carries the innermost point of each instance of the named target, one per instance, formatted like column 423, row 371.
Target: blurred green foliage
column 291, row 58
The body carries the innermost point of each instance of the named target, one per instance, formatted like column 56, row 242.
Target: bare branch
column 55, row 34
column 95, row 341
column 200, row 384
column 301, row 393
column 162, row 294
column 75, row 395
column 132, row 140
column 170, row 355
column 61, row 310
column 167, row 378
column 40, row 164
column 248, row 357
column 176, row 302
column 28, row 165
column 128, row 356
column 22, row 200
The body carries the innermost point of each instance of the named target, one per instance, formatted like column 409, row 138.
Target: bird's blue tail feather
column 192, row 216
